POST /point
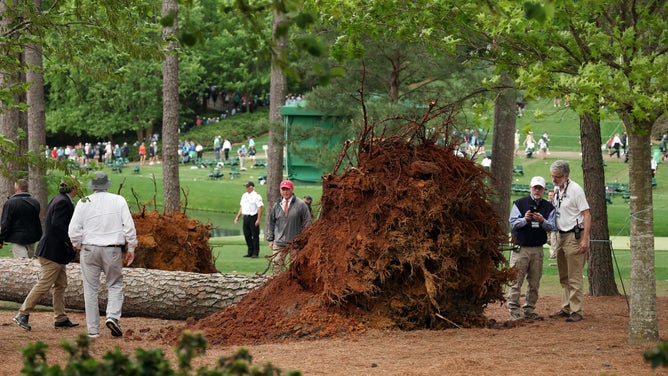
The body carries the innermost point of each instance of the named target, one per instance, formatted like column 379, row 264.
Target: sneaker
column 65, row 324
column 112, row 324
column 561, row 313
column 514, row 316
column 93, row 335
column 574, row 317
column 22, row 321
column 533, row 316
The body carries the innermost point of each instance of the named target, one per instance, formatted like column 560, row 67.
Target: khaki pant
column 529, row 264
column 23, row 250
column 570, row 264
column 52, row 274
column 278, row 259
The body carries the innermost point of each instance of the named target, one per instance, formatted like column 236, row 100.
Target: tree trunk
column 503, row 146
column 170, row 113
column 148, row 292
column 277, row 90
column 601, row 272
column 36, row 120
column 643, row 325
column 9, row 115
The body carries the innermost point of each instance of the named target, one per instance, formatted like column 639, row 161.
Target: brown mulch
column 595, row 346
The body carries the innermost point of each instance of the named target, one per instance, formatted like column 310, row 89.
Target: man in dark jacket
column 54, row 253
column 20, row 224
column 531, row 219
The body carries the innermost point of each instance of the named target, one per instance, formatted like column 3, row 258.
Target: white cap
column 537, row 180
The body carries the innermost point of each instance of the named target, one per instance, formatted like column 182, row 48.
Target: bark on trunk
column 643, row 324
column 601, row 272
column 36, row 121
column 502, row 149
column 277, row 90
column 148, row 292
column 170, row 114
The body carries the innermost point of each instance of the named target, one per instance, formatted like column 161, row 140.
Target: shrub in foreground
column 145, row 362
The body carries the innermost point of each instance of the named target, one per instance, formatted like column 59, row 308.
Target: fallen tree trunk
column 148, row 292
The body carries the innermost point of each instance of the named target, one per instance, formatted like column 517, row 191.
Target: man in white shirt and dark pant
column 251, row 209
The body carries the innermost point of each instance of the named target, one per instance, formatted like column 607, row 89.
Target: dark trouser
column 252, row 235
column 226, row 152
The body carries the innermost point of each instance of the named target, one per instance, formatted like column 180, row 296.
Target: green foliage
column 146, row 362
column 658, row 356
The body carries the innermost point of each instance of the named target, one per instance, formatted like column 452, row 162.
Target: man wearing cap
column 531, row 219
column 100, row 228
column 573, row 221
column 54, row 252
column 287, row 219
column 251, row 209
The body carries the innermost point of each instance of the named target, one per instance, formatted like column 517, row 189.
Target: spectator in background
column 308, row 200
column 227, row 146
column 142, row 154
column 242, row 153
column 615, row 144
column 20, row 223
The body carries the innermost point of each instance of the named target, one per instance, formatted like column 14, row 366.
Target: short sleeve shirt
column 250, row 203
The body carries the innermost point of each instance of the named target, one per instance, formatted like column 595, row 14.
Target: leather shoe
column 22, row 321
column 248, row 256
column 65, row 324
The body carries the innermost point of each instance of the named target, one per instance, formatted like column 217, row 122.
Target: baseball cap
column 287, row 184
column 249, row 184
column 537, row 180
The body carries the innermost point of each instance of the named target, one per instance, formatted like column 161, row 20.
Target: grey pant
column 95, row 260
column 529, row 263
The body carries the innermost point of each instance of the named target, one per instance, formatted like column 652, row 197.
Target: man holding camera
column 531, row 219
column 573, row 221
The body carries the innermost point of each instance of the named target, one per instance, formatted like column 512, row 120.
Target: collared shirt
column 570, row 202
column 250, row 203
column 102, row 219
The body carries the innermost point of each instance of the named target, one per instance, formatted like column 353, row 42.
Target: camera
column 533, row 208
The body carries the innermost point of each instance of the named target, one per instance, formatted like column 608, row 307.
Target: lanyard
column 561, row 195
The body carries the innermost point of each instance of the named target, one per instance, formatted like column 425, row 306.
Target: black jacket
column 20, row 222
column 55, row 245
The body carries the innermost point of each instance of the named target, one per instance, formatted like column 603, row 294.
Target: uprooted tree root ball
column 172, row 242
column 406, row 240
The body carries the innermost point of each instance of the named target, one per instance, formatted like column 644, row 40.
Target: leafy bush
column 145, row 362
column 658, row 356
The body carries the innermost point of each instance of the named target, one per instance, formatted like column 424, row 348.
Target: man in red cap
column 287, row 219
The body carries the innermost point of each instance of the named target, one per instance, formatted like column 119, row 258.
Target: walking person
column 573, row 222
column 287, row 219
column 251, row 208
column 531, row 220
column 54, row 252
column 101, row 228
column 20, row 223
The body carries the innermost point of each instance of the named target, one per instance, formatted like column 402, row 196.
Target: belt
column 566, row 232
column 108, row 246
column 250, row 215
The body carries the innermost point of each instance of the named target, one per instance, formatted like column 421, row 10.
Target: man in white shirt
column 251, row 209
column 100, row 229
